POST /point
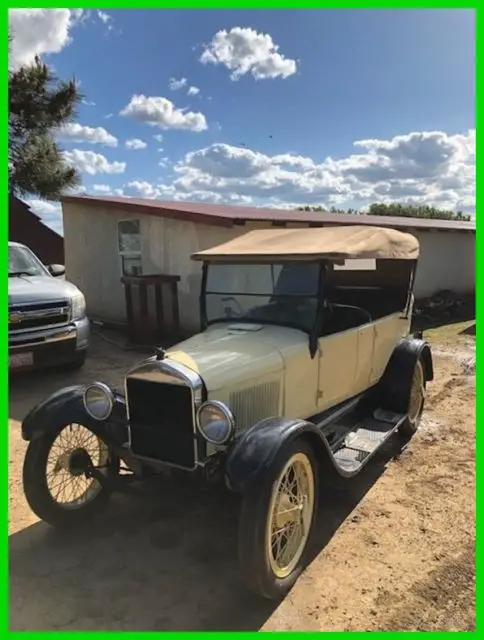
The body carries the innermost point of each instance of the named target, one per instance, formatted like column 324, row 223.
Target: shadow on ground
column 470, row 331
column 166, row 560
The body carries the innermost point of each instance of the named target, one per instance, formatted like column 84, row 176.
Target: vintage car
column 304, row 367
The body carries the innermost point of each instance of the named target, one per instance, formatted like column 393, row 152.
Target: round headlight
column 98, row 401
column 215, row 422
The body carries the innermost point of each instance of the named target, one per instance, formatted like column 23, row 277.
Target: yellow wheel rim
column 69, row 489
column 290, row 515
column 417, row 393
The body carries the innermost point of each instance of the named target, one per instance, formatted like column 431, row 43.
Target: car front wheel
column 54, row 474
column 277, row 520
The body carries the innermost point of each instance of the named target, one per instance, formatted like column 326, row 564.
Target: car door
column 388, row 331
column 345, row 364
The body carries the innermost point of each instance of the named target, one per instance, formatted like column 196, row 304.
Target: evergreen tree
column 38, row 104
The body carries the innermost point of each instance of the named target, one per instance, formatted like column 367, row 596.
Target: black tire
column 38, row 495
column 408, row 428
column 252, row 536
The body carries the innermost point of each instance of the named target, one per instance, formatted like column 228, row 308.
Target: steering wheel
column 351, row 306
column 238, row 312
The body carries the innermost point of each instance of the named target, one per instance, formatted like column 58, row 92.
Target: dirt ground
column 395, row 548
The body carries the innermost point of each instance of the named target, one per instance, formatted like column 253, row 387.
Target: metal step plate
column 366, row 437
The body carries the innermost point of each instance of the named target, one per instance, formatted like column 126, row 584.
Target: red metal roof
column 228, row 215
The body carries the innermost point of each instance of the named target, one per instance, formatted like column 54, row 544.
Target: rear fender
column 394, row 386
column 66, row 406
column 253, row 455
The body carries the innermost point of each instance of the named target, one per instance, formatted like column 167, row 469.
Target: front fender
column 66, row 407
column 253, row 454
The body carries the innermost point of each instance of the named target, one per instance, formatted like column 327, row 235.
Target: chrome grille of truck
column 161, row 421
column 28, row 317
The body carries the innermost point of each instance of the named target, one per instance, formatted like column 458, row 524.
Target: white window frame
column 129, row 254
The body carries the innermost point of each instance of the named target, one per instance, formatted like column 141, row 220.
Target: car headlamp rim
column 227, row 414
column 108, row 394
column 78, row 306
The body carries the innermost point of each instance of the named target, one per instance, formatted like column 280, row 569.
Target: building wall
column 447, row 261
column 93, row 263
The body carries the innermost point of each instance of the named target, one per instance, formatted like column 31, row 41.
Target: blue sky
column 276, row 108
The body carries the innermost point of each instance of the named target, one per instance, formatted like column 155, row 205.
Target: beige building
column 106, row 238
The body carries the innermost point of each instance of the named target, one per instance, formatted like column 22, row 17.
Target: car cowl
column 226, row 355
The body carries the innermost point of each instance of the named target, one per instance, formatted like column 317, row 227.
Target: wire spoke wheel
column 71, row 453
column 290, row 515
column 56, row 469
column 416, row 401
column 417, row 393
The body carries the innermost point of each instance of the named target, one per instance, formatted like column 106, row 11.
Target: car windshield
column 22, row 262
column 283, row 294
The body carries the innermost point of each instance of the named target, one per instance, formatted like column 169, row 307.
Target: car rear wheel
column 54, row 474
column 416, row 401
column 277, row 521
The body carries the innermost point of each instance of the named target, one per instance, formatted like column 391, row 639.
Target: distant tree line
column 400, row 210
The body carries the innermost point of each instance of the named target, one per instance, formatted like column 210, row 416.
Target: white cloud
column 143, row 189
column 177, row 84
column 193, row 91
column 158, row 137
column 136, row 143
column 76, row 132
column 101, row 188
column 40, row 31
column 103, row 16
column 108, row 116
column 92, row 163
column 106, row 19
column 88, row 103
column 244, row 50
column 162, row 112
column 49, row 212
column 47, row 31
column 432, row 168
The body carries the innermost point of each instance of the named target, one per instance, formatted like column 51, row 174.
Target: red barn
column 27, row 228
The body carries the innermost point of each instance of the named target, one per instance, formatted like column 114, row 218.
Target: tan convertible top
column 330, row 243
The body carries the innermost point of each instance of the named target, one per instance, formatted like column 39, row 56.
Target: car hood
column 226, row 355
column 31, row 289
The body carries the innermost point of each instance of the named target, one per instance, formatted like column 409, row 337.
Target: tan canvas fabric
column 333, row 243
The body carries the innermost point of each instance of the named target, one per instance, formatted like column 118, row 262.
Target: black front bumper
column 60, row 349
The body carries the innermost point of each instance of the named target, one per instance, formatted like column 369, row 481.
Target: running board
column 358, row 444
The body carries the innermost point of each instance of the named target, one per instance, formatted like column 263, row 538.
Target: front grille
column 38, row 316
column 161, row 421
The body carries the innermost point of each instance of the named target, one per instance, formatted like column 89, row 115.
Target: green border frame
column 187, row 4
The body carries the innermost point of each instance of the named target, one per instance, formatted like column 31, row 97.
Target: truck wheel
column 54, row 480
column 277, row 520
column 416, row 401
